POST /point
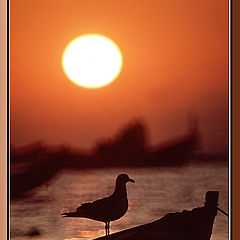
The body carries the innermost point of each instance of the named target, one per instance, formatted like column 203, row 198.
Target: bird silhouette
column 106, row 209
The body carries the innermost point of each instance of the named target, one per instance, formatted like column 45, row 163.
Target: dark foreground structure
column 187, row 225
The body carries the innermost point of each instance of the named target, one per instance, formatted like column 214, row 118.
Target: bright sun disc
column 92, row 61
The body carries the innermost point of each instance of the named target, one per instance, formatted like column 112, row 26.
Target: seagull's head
column 124, row 178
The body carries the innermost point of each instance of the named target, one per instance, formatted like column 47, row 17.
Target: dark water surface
column 156, row 192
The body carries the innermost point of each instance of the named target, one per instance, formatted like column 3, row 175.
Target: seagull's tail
column 70, row 214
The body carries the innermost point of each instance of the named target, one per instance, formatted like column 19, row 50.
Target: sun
column 92, row 61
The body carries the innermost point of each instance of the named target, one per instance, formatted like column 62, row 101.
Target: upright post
column 211, row 205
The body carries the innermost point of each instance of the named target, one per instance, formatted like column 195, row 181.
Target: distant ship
column 39, row 163
column 176, row 152
column 129, row 148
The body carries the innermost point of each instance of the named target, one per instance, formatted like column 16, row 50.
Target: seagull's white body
column 106, row 209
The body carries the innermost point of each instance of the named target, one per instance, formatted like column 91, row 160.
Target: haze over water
column 157, row 191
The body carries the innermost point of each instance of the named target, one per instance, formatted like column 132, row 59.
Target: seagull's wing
column 80, row 211
column 103, row 201
column 102, row 209
column 96, row 205
column 86, row 204
column 99, row 209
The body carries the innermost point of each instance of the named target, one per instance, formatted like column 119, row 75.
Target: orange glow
column 92, row 61
column 175, row 61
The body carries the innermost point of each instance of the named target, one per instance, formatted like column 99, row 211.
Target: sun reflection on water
column 155, row 193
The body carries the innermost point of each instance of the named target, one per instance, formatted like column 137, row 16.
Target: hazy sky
column 175, row 61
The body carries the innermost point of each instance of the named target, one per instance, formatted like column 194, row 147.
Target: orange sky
column 175, row 60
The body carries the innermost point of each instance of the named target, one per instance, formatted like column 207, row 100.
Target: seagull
column 106, row 209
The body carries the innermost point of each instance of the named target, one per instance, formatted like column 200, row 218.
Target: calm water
column 155, row 193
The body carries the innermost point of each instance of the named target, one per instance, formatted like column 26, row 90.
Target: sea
column 156, row 192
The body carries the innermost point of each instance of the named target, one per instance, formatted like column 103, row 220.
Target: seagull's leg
column 106, row 226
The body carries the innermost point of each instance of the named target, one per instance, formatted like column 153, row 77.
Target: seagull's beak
column 131, row 180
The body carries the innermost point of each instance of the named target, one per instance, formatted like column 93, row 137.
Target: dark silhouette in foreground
column 186, row 225
column 107, row 209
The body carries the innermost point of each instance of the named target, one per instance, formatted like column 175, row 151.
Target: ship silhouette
column 36, row 164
